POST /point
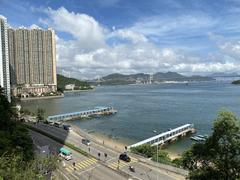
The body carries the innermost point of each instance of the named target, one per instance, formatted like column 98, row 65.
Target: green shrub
column 161, row 155
column 145, row 150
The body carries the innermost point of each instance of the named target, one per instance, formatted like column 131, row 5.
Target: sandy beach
column 173, row 155
column 100, row 139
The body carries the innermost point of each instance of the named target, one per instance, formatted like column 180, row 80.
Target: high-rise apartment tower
column 4, row 61
column 32, row 55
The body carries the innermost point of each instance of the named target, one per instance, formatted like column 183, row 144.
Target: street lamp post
column 157, row 159
column 157, row 155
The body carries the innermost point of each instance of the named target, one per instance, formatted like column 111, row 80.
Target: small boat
column 201, row 136
column 205, row 136
column 155, row 131
column 197, row 138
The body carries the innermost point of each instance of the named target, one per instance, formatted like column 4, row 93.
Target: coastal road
column 85, row 168
column 143, row 171
column 76, row 139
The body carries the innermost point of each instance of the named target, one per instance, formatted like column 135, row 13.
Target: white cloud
column 89, row 54
column 134, row 36
column 180, row 25
column 206, row 67
column 34, row 26
column 84, row 28
column 168, row 53
column 231, row 48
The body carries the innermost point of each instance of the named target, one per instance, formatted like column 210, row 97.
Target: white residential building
column 70, row 86
column 4, row 61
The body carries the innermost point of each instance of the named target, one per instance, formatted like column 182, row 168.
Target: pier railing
column 82, row 114
column 166, row 136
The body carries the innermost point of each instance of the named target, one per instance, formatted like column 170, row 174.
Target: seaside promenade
column 144, row 168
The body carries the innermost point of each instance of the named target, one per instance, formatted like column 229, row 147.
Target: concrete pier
column 168, row 136
column 83, row 114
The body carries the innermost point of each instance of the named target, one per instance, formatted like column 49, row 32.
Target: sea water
column 147, row 110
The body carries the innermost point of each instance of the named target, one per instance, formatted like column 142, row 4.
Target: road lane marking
column 82, row 172
column 115, row 165
column 119, row 164
column 69, row 169
column 81, row 165
column 89, row 161
column 133, row 159
column 85, row 163
column 93, row 160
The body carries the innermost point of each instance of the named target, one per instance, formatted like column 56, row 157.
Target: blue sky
column 99, row 37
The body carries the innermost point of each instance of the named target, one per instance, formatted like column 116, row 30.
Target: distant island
column 142, row 78
column 63, row 82
column 237, row 82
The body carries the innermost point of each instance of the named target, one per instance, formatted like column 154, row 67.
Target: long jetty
column 83, row 114
column 168, row 136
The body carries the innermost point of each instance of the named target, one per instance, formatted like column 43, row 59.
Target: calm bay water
column 144, row 108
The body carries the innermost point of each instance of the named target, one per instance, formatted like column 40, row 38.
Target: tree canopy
column 13, row 167
column 40, row 114
column 219, row 156
column 62, row 81
column 17, row 159
column 153, row 152
column 14, row 136
column 146, row 150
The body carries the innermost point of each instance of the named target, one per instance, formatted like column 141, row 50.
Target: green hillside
column 116, row 78
column 80, row 85
column 236, row 82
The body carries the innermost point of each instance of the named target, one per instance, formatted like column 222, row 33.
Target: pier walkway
column 81, row 114
column 170, row 135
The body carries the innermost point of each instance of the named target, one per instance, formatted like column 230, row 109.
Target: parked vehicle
column 86, row 142
column 66, row 154
column 57, row 124
column 67, row 127
column 51, row 123
column 124, row 157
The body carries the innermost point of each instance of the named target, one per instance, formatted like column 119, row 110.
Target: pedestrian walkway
column 118, row 165
column 81, row 165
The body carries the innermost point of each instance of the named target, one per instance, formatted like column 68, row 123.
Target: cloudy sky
column 99, row 37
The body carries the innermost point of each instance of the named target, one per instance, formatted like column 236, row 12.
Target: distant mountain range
column 222, row 74
column 141, row 78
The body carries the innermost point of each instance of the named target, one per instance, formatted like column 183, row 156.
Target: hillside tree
column 219, row 156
